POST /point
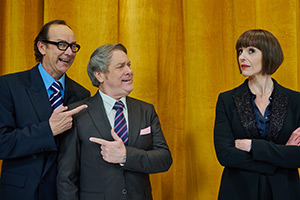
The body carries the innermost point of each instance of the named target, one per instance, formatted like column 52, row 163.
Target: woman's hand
column 243, row 144
column 294, row 138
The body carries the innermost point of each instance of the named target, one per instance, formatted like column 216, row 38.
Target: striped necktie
column 55, row 98
column 120, row 125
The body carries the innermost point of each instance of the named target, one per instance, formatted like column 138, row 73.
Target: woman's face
column 250, row 61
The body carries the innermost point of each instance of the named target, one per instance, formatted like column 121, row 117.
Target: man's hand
column 243, row 144
column 61, row 120
column 111, row 151
column 294, row 138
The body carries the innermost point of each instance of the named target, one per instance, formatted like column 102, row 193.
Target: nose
column 128, row 70
column 242, row 56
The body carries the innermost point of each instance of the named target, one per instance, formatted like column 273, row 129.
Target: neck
column 262, row 86
column 116, row 97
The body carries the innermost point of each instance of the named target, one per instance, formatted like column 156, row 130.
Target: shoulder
column 284, row 92
column 73, row 85
column 137, row 102
column 239, row 90
column 18, row 78
column 16, row 75
column 74, row 91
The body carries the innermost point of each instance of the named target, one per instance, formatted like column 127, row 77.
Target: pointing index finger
column 98, row 140
column 76, row 110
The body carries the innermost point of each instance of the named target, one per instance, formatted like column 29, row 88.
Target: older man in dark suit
column 32, row 115
column 97, row 161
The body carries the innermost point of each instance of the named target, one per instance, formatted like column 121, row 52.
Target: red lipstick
column 244, row 66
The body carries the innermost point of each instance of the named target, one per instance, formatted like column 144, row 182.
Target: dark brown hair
column 267, row 43
column 43, row 35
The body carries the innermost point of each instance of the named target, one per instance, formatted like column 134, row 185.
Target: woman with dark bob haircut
column 256, row 133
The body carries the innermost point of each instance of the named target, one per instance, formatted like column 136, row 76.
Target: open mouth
column 63, row 60
column 127, row 80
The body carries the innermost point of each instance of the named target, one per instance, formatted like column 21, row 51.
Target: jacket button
column 34, row 156
column 124, row 191
column 42, row 181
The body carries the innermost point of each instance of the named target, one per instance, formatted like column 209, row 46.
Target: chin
column 245, row 74
column 128, row 91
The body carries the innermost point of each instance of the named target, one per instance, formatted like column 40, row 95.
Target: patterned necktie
column 120, row 126
column 55, row 98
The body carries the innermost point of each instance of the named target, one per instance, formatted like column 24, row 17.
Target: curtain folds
column 182, row 54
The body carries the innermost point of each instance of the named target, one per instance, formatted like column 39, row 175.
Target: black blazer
column 270, row 161
column 84, row 175
column 27, row 146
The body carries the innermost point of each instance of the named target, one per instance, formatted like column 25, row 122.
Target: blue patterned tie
column 55, row 98
column 120, row 125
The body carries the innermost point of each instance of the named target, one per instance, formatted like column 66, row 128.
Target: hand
column 61, row 120
column 243, row 144
column 294, row 138
column 111, row 151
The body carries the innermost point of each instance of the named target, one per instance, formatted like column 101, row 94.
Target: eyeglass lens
column 64, row 46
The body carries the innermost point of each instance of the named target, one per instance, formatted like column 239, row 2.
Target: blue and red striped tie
column 120, row 125
column 55, row 98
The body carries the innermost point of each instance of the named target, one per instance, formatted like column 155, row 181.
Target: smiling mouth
column 127, row 80
column 63, row 60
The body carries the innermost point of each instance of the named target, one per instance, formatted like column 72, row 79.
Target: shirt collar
column 109, row 102
column 48, row 79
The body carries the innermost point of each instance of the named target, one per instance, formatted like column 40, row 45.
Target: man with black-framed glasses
column 34, row 114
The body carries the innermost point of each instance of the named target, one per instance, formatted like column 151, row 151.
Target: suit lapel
column 134, row 118
column 70, row 92
column 38, row 95
column 98, row 115
column 279, row 107
column 41, row 104
column 244, row 108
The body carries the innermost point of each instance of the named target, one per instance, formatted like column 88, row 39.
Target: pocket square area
column 145, row 131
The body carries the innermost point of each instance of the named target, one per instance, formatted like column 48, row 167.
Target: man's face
column 55, row 61
column 117, row 82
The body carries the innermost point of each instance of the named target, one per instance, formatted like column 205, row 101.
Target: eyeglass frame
column 69, row 45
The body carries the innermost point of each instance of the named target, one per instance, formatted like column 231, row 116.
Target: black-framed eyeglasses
column 63, row 46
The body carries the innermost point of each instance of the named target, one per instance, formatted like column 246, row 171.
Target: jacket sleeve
column 224, row 142
column 68, row 165
column 21, row 132
column 156, row 158
column 276, row 154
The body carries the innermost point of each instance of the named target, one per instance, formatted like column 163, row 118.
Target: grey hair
column 100, row 59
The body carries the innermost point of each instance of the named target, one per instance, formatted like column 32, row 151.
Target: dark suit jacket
column 27, row 145
column 271, row 165
column 84, row 175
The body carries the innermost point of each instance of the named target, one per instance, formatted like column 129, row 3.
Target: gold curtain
column 182, row 54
